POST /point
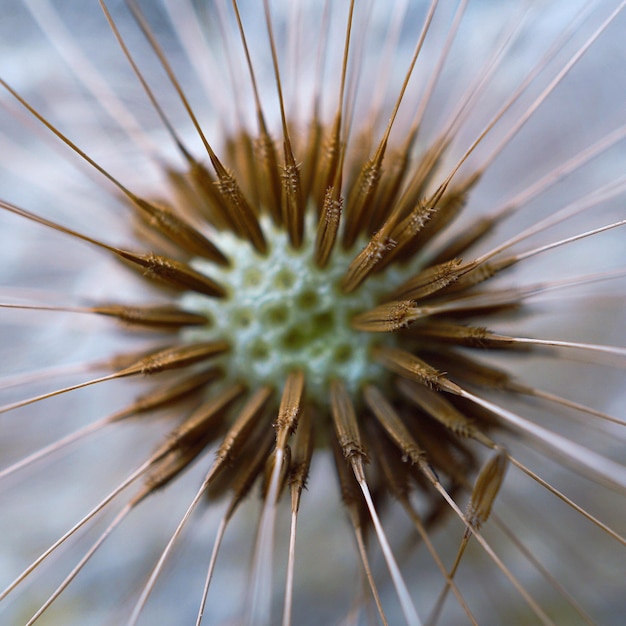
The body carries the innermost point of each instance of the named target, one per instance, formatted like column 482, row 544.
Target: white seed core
column 282, row 312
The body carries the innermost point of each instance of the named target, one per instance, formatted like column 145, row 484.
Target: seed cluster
column 311, row 298
column 282, row 312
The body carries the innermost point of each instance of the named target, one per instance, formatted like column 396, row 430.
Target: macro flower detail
column 320, row 291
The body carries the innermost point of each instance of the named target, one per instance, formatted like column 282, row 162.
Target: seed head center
column 283, row 312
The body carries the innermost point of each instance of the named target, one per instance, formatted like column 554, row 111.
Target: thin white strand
column 183, row 17
column 593, row 347
column 436, row 73
column 369, row 577
column 558, row 173
column 87, row 73
column 601, row 468
column 494, row 557
column 383, row 77
column 457, row 118
column 528, row 554
column 216, row 546
column 515, row 296
column 538, row 101
column 54, row 447
column 408, row 608
column 545, row 395
column 149, row 586
column 55, row 371
column 70, row 577
column 605, row 193
column 561, row 496
column 259, row 602
column 556, row 80
column 130, row 479
column 44, row 396
column 291, row 561
column 561, row 242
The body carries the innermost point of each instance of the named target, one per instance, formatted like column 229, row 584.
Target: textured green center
column 282, row 312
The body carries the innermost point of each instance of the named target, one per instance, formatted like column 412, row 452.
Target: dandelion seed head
column 294, row 287
column 282, row 312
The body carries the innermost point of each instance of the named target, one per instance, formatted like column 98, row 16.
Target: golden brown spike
column 290, row 407
column 393, row 425
column 474, row 275
column 175, row 357
column 271, row 193
column 188, row 440
column 435, row 405
column 349, row 488
column 169, row 271
column 361, row 198
column 457, row 334
column 125, row 359
column 368, row 260
column 212, row 205
column 298, row 473
column 330, row 172
column 177, row 230
column 387, row 317
column 240, row 431
column 159, row 316
column 268, row 171
column 276, row 472
column 412, row 367
column 166, row 469
column 163, row 396
column 429, row 281
column 353, row 501
column 486, row 488
column 407, row 228
column 328, row 166
column 246, row 472
column 172, row 226
column 255, row 449
column 241, row 212
column 389, row 188
column 172, row 273
column 396, row 474
column 328, row 227
column 138, row 363
column 226, row 183
column 293, row 200
column 465, row 368
column 364, row 190
column 448, row 208
column 346, row 425
column 419, row 180
column 416, row 220
column 202, row 179
column 199, row 426
column 476, row 231
column 301, row 458
column 349, row 439
column 446, row 453
column 311, row 157
column 479, row 508
column 240, row 151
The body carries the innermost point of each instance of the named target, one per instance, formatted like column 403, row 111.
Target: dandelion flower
column 311, row 313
